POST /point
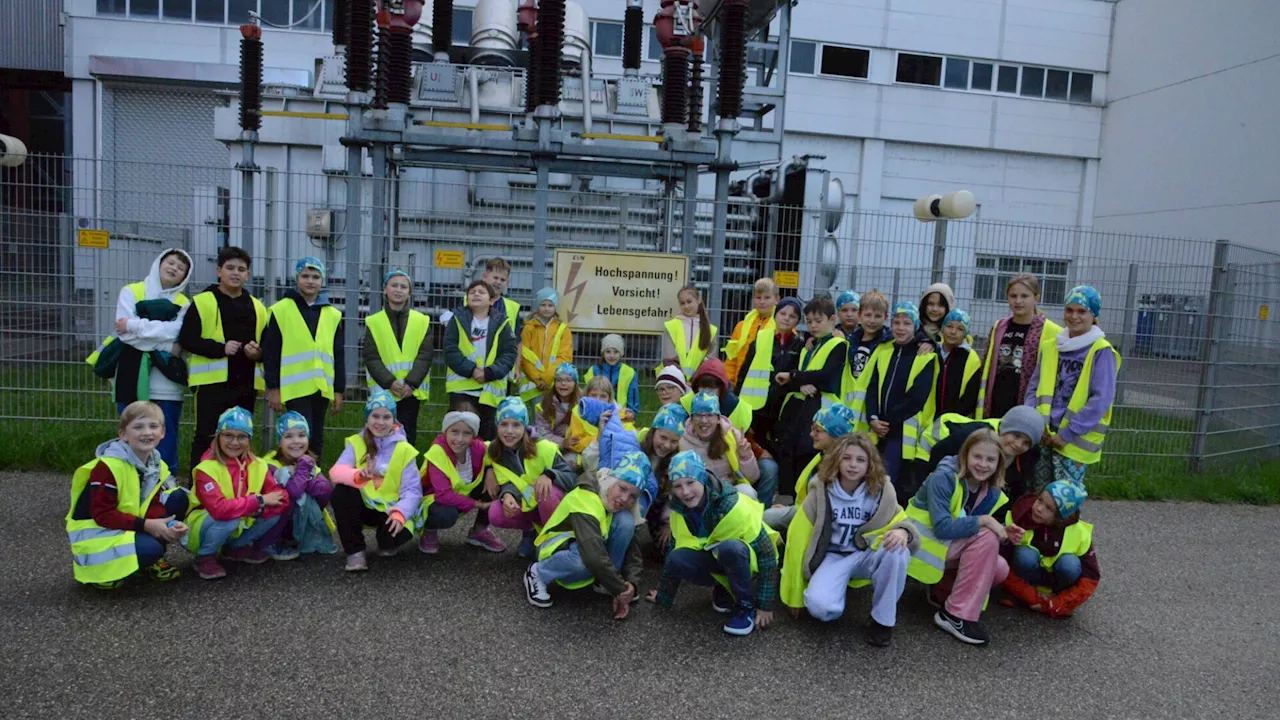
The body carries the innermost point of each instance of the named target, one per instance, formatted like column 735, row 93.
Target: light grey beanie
column 1023, row 420
column 469, row 418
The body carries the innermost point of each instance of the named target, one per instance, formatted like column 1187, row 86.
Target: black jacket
column 896, row 403
column 399, row 319
column 499, row 332
column 948, row 398
column 272, row 342
column 239, row 323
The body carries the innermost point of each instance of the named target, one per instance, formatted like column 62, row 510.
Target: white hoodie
column 148, row 335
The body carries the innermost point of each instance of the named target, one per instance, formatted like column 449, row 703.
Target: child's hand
column 782, row 378
column 542, row 488
column 990, row 523
column 895, row 539
column 604, row 418
column 651, row 596
column 490, row 483
column 764, row 618
column 394, row 526
column 880, row 428
column 477, row 374
column 809, row 390
column 336, row 407
column 253, row 351
column 232, row 347
column 273, row 399
column 273, row 499
column 122, row 326
column 925, row 349
column 1014, row 533
column 159, row 529
column 510, row 507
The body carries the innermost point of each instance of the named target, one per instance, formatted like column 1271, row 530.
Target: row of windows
column 995, row 271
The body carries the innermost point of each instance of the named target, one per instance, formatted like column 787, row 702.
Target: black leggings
column 351, row 516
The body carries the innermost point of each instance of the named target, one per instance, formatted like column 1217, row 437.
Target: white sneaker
column 534, row 589
column 356, row 562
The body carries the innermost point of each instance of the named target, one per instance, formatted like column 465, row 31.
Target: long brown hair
column 550, row 398
column 528, row 447
column 985, row 435
column 704, row 322
column 660, row 467
column 829, row 469
column 717, row 447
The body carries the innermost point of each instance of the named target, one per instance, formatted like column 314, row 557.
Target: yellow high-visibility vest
column 198, row 516
column 398, row 357
column 879, row 364
column 687, row 352
column 306, row 362
column 384, row 497
column 755, row 386
column 529, row 389
column 940, row 430
column 437, row 457
column 818, row 358
column 491, row 393
column 928, row 563
column 543, row 459
column 102, row 555
column 1048, row 332
column 558, row 531
column 139, row 290
column 743, row 522
column 1086, row 448
column 207, row 371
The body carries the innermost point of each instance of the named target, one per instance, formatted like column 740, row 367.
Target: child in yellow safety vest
column 959, row 552
column 125, row 506
column 899, row 396
column 479, row 355
column 689, row 336
column 397, row 353
column 554, row 414
column 720, row 447
column 720, row 540
column 582, row 433
column 621, row 375
column 545, row 343
column 238, row 500
column 849, row 532
column 956, row 386
column 590, row 538
column 376, row 484
column 453, row 484
column 1053, row 568
column 306, row 528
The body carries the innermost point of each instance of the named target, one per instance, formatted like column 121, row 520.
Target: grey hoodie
column 148, row 469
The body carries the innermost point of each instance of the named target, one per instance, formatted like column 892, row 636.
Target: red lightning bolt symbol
column 577, row 290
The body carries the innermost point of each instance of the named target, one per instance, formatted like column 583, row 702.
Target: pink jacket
column 438, row 484
column 242, row 503
column 747, row 464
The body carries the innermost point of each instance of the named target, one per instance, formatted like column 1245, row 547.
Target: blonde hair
column 985, row 435
column 1027, row 280
column 765, row 285
column 497, row 263
column 874, row 300
column 600, row 382
column 215, row 449
column 829, row 469
column 140, row 409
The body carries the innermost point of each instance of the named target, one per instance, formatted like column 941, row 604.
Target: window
column 606, row 39
column 981, row 76
column 803, row 57
column 1055, row 84
column 957, row 74
column 1081, row 87
column 177, row 10
column 461, row 26
column 1007, row 80
column 144, row 8
column 1032, row 82
column 275, row 12
column 844, row 61
column 238, row 10
column 919, row 69
column 211, row 11
column 300, row 10
column 115, row 7
column 994, row 271
column 760, row 57
column 655, row 47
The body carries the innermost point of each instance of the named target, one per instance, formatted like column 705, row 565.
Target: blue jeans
column 215, row 534
column 168, row 447
column 147, row 547
column 891, row 454
column 566, row 566
column 731, row 558
column 767, row 485
column 1026, row 565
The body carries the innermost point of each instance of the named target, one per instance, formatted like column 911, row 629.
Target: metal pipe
column 1215, row 330
column 473, row 81
column 586, row 94
column 690, row 215
column 247, row 168
column 351, row 230
column 939, row 249
column 378, row 221
column 542, row 196
column 725, row 130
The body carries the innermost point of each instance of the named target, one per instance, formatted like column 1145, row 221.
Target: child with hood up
column 1052, row 565
column 546, row 343
column 935, row 302
column 143, row 358
column 307, row 527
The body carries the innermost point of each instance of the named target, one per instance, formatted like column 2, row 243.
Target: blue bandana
column 292, row 420
column 567, row 369
column 236, row 418
column 512, row 408
column 634, row 468
column 1068, row 495
column 387, row 278
column 705, row 403
column 836, row 419
column 847, row 297
column 687, row 464
column 959, row 316
column 910, row 310
column 1085, row 296
column 310, row 262
column 379, row 399
column 670, row 417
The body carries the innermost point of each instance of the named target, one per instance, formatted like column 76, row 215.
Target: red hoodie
column 437, row 483
column 241, row 503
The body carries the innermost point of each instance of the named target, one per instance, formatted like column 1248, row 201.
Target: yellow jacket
column 534, row 340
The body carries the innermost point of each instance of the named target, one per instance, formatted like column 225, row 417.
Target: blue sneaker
column 721, row 600
column 526, row 549
column 742, row 622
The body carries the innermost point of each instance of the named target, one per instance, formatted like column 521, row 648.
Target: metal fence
column 1199, row 384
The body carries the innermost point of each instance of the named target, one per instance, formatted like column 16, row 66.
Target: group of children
column 853, row 415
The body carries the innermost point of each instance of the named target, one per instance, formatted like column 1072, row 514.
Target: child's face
column 310, row 282
column 600, row 395
column 143, row 435
column 564, row 385
column 546, row 310
column 459, row 437
column 1045, row 510
column 665, row 442
column 511, row 432
column 903, row 329
column 1014, row 444
column 935, row 308
column 498, row 279
column 764, row 301
column 478, row 301
column 233, row 273
column 848, row 314
column 821, row 440
column 984, row 460
column 294, row 443
column 704, row 426
column 381, row 422
column 1077, row 318
column 786, row 319
column 709, row 383
column 397, row 291
column 611, row 355
column 689, row 303
column 872, row 320
column 820, row 324
column 668, row 393
column 953, row 333
column 688, row 491
column 172, row 269
column 621, row 496
column 853, row 464
column 233, row 443
column 1021, row 301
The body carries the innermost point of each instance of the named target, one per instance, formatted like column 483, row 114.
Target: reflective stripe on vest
column 543, row 459
column 755, row 385
column 529, row 389
column 139, row 290
column 437, row 457
column 306, row 362
column 818, row 358
column 207, row 371
column 384, row 497
column 1077, row 538
column 198, row 516
column 687, row 353
column 558, row 532
column 1087, row 447
column 398, row 357
column 928, row 563
column 101, row 555
column 743, row 522
column 490, row 392
column 625, row 375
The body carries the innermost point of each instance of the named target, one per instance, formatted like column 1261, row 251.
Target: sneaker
column 283, row 553
column 387, row 552
column 429, row 543
column 721, row 600
column 247, row 554
column 208, row 567
column 742, row 622
column 357, row 562
column 162, row 571
column 526, row 550
column 113, row 585
column 485, row 539
column 534, row 589
column 878, row 635
column 963, row 630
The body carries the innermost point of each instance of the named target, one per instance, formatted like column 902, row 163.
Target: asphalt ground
column 1181, row 626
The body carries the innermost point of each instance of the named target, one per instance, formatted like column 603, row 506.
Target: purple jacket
column 410, row 482
column 1102, row 390
column 302, row 479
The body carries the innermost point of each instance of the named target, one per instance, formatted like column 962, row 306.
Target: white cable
column 254, row 14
